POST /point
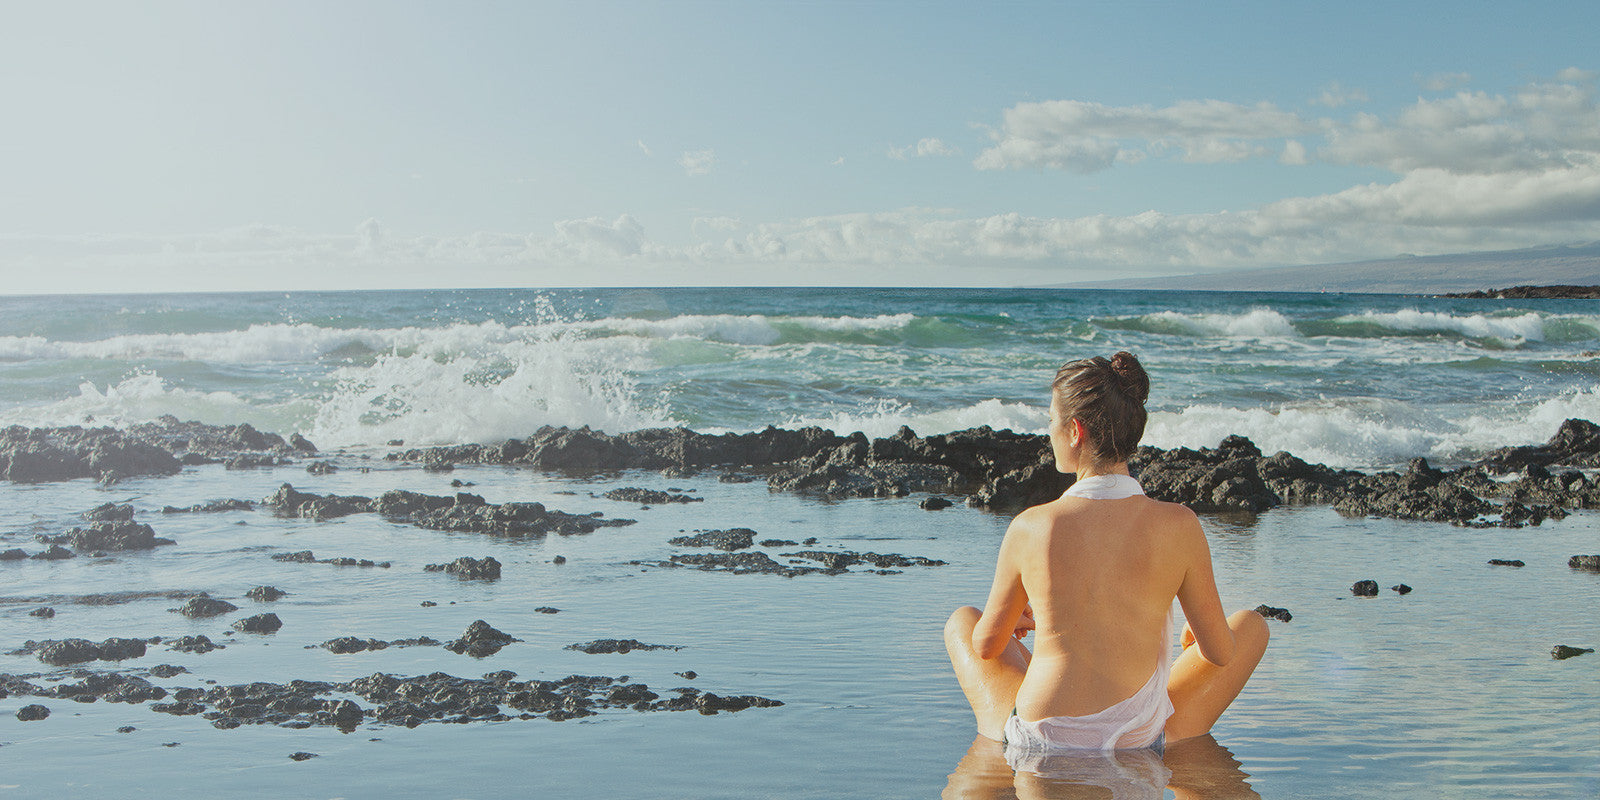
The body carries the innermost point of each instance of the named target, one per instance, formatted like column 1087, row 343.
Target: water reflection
column 1197, row 769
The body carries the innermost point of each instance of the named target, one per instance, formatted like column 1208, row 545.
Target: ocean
column 1449, row 691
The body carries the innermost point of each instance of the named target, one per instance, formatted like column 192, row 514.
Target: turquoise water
column 1447, row 692
column 1349, row 380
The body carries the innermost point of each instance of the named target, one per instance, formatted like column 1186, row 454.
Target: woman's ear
column 1076, row 430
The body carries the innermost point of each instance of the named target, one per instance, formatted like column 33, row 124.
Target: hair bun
column 1131, row 377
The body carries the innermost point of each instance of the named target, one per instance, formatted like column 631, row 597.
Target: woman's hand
column 1024, row 623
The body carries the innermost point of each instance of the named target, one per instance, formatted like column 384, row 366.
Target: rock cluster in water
column 469, row 568
column 608, row 646
column 463, row 512
column 649, row 497
column 1006, row 471
column 1000, row 470
column 437, row 697
column 34, row 455
column 65, row 652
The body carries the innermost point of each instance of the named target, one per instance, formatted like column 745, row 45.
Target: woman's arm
column 1207, row 625
column 1007, row 598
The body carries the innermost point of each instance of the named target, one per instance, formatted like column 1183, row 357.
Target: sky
column 174, row 146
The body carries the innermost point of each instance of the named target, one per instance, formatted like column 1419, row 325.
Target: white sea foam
column 557, row 379
column 286, row 343
column 884, row 418
column 749, row 329
column 146, row 396
column 1257, row 323
column 1523, row 327
column 1363, row 433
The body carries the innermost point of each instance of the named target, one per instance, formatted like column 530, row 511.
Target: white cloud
column 1542, row 126
column 1576, row 75
column 595, row 239
column 924, row 148
column 646, row 148
column 697, row 162
column 1550, row 125
column 1088, row 137
column 1444, row 81
column 1336, row 95
column 838, row 162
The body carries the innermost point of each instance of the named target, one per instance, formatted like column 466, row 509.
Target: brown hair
column 1108, row 397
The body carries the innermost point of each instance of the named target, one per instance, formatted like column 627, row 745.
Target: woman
column 1094, row 574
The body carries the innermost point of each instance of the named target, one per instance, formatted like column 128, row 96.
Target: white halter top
column 1111, row 486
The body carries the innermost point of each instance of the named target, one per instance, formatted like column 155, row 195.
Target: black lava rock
column 265, row 594
column 32, row 713
column 729, row 540
column 608, row 646
column 480, row 640
column 468, row 568
column 1365, row 589
column 1273, row 612
column 202, row 607
column 260, row 623
column 1561, row 652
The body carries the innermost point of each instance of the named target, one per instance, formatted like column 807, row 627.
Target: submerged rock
column 1503, row 562
column 260, row 623
column 468, row 568
column 288, row 502
column 607, row 646
column 308, row 557
column 1587, row 563
column 1562, row 652
column 212, row 507
column 1367, row 588
column 32, row 713
column 265, row 594
column 470, row 513
column 202, row 607
column 54, row 552
column 198, row 643
column 115, row 536
column 1273, row 612
column 649, row 497
column 729, row 540
column 480, row 640
column 66, row 652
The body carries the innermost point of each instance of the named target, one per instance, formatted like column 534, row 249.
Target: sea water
column 1448, row 691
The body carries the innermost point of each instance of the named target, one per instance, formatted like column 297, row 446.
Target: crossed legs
column 1201, row 690
column 990, row 684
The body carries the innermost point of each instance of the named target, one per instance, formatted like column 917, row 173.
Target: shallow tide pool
column 1449, row 691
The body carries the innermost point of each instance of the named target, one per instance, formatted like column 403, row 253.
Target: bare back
column 1100, row 576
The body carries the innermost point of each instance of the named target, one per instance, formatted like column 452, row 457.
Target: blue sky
column 167, row 146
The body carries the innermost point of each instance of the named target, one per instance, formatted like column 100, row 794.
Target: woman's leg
column 990, row 685
column 1201, row 690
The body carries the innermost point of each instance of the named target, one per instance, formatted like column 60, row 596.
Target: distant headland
column 1562, row 292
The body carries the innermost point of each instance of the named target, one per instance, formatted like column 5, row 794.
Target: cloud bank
column 1470, row 171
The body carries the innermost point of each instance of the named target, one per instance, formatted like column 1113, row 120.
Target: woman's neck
column 1091, row 471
